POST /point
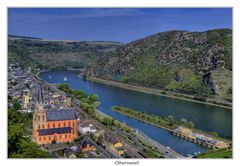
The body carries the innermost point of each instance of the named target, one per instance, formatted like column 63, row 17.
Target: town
column 63, row 129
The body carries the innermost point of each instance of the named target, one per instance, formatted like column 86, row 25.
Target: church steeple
column 39, row 117
column 40, row 102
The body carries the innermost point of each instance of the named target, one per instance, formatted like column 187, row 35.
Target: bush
column 77, row 140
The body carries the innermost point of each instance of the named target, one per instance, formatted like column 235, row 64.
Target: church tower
column 39, row 118
column 59, row 125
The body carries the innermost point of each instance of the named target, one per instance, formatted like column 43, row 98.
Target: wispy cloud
column 80, row 14
column 104, row 12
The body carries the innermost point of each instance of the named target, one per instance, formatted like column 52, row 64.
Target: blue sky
column 112, row 24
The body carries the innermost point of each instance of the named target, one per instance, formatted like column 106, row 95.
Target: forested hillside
column 195, row 63
column 48, row 54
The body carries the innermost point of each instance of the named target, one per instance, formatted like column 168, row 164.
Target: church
column 53, row 125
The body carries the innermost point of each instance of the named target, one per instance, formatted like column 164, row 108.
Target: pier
column 200, row 139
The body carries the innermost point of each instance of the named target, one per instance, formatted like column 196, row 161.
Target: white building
column 86, row 128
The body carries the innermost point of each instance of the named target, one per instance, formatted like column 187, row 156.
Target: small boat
column 65, row 78
column 49, row 76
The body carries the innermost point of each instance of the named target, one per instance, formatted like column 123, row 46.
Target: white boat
column 49, row 76
column 65, row 78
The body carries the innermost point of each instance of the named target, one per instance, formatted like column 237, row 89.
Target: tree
column 107, row 121
column 98, row 118
column 76, row 139
column 13, row 116
column 183, row 121
column 18, row 145
column 170, row 120
column 95, row 104
column 16, row 105
column 93, row 98
column 116, row 123
column 91, row 111
column 65, row 88
column 85, row 99
column 30, row 150
column 10, row 98
column 214, row 134
column 126, row 128
column 15, row 135
column 85, row 106
column 190, row 124
column 79, row 94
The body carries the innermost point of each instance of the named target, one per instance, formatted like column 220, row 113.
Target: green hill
column 194, row 63
column 40, row 53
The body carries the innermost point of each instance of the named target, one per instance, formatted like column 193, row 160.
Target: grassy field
column 224, row 154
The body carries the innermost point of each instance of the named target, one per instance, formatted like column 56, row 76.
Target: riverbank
column 168, row 123
column 41, row 71
column 190, row 98
column 216, row 154
column 140, row 119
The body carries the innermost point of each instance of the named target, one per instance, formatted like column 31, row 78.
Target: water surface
column 205, row 117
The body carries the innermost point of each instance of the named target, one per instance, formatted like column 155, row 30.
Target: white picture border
column 235, row 4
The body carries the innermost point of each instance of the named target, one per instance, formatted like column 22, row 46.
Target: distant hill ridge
column 56, row 54
column 36, row 38
column 23, row 37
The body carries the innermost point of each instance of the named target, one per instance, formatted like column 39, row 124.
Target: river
column 205, row 117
